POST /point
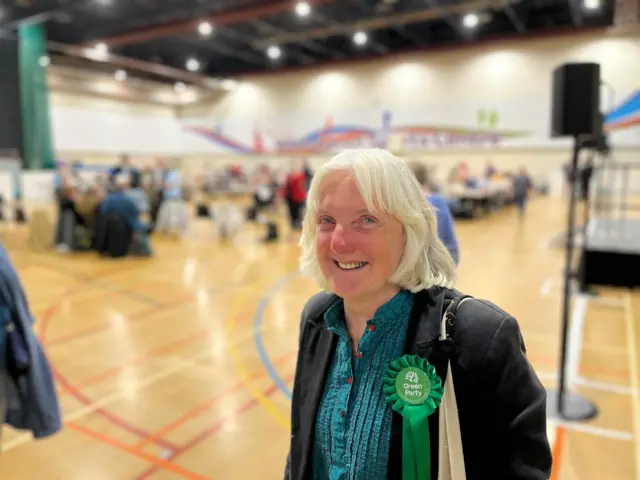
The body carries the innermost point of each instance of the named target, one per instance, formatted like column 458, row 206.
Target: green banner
column 34, row 93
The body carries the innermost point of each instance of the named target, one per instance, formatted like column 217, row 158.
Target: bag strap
column 450, row 314
column 451, row 457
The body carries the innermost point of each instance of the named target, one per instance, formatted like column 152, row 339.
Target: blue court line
column 257, row 333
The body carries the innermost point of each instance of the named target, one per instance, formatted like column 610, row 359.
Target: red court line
column 163, row 349
column 157, row 462
column 63, row 381
column 74, row 391
column 107, row 325
column 244, row 408
column 203, row 407
column 558, row 452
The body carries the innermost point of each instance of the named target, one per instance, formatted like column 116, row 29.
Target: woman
column 446, row 228
column 370, row 238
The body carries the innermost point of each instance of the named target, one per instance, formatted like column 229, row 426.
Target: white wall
column 89, row 125
column 436, row 95
column 425, row 92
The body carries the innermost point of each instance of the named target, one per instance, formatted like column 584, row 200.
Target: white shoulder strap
column 451, row 457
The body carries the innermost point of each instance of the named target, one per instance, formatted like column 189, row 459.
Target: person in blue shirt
column 120, row 202
column 446, row 226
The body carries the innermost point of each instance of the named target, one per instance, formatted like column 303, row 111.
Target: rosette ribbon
column 414, row 390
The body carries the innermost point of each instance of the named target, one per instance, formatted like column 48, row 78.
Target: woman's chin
column 347, row 287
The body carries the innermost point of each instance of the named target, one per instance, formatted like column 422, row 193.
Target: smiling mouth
column 350, row 265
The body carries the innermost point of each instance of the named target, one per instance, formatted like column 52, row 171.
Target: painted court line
column 236, row 357
column 205, row 406
column 557, row 451
column 107, row 400
column 157, row 462
column 578, row 315
column 258, row 319
column 195, row 441
column 598, row 432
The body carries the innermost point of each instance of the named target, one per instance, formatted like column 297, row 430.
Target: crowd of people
column 115, row 211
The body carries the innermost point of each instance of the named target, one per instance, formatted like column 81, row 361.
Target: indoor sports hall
column 169, row 181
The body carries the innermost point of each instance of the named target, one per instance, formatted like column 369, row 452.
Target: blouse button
column 372, row 327
column 342, row 413
column 350, row 380
column 360, row 355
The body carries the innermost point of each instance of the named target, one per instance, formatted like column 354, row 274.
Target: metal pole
column 568, row 275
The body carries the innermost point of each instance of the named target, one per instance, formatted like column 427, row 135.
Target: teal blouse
column 353, row 423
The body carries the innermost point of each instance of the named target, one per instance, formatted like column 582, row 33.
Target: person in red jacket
column 295, row 195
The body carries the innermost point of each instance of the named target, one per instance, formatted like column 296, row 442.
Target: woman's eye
column 369, row 221
column 323, row 221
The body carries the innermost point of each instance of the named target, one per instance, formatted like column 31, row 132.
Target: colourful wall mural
column 512, row 123
column 335, row 136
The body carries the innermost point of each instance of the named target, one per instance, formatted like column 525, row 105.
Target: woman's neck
column 358, row 311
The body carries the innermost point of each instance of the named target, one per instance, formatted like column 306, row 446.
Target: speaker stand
column 573, row 408
column 562, row 404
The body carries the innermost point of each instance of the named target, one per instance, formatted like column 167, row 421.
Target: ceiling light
column 44, row 61
column 193, row 65
column 99, row 52
column 360, row 38
column 228, row 84
column 205, row 29
column 470, row 20
column 303, row 9
column 101, row 48
column 121, row 75
column 591, row 4
column 274, row 52
column 180, row 87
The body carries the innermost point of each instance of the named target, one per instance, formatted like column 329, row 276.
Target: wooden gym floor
column 180, row 366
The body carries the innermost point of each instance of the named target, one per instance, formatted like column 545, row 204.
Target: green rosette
column 414, row 390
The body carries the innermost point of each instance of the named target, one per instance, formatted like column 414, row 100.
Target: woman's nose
column 340, row 241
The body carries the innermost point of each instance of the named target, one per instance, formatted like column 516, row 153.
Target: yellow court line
column 633, row 370
column 282, row 419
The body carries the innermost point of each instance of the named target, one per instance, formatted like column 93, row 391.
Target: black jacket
column 501, row 402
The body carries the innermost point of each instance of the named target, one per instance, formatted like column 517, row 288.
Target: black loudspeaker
column 575, row 107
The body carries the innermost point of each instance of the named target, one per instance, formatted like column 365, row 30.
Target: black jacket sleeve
column 520, row 399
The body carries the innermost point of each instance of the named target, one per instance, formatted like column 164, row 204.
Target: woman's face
column 358, row 250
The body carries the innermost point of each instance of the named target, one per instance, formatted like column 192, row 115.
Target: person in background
column 522, row 187
column 295, row 194
column 446, row 225
column 173, row 215
column 158, row 176
column 490, row 170
column 118, row 201
column 125, row 168
column 369, row 242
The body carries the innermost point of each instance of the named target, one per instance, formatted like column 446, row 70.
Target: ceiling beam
column 377, row 23
column 230, row 17
column 133, row 64
column 513, row 17
column 576, row 13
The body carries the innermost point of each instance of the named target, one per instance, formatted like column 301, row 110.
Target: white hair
column 386, row 183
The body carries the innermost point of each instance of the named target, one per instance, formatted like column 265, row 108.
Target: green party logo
column 413, row 386
column 488, row 118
